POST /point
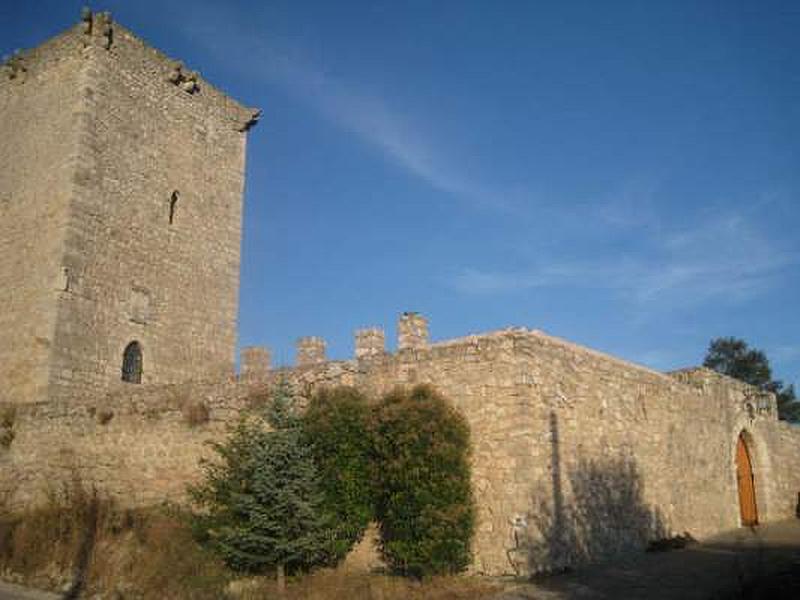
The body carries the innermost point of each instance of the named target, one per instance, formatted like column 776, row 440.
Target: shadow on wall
column 603, row 515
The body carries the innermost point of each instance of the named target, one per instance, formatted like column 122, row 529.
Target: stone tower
column 121, row 179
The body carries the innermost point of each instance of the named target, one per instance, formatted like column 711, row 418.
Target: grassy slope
column 91, row 546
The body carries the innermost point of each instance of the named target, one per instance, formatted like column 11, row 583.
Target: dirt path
column 727, row 566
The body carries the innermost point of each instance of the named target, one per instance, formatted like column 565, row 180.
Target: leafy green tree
column 260, row 505
column 733, row 357
column 336, row 424
column 424, row 501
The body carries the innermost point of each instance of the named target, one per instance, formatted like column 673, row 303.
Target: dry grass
column 341, row 585
column 48, row 538
column 81, row 539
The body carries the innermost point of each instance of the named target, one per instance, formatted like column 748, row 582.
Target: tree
column 733, row 357
column 788, row 406
column 259, row 504
column 336, row 424
column 424, row 498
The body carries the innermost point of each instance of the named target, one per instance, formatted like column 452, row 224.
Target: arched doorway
column 132, row 363
column 746, row 483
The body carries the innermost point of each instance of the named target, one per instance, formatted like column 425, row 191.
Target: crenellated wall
column 256, row 363
column 576, row 455
column 121, row 176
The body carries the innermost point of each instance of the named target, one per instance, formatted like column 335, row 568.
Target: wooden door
column 747, row 485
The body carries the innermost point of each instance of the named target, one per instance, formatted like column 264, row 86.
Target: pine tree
column 259, row 505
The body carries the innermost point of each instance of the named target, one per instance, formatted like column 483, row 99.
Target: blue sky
column 625, row 175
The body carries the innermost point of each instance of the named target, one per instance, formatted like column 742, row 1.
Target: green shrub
column 336, row 424
column 424, row 498
column 260, row 504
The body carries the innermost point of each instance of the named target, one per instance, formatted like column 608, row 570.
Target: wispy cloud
column 632, row 205
column 372, row 120
column 726, row 257
column 367, row 116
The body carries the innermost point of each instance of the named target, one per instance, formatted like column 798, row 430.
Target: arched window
column 173, row 206
column 132, row 363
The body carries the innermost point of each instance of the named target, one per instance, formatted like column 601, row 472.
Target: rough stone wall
column 120, row 202
column 778, row 455
column 154, row 235
column 412, row 331
column 140, row 444
column 369, row 342
column 310, row 351
column 255, row 363
column 39, row 99
column 576, row 455
column 121, row 179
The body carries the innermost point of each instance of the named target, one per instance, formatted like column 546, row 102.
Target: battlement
column 97, row 35
column 255, row 363
column 533, row 402
column 370, row 342
column 310, row 351
column 121, row 180
column 413, row 334
column 412, row 331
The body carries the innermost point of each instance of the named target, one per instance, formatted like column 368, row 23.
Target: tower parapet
column 310, row 351
column 370, row 342
column 255, row 363
column 412, row 331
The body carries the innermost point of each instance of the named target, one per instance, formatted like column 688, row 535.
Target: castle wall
column 141, row 445
column 779, row 456
column 121, row 178
column 39, row 101
column 579, row 455
column 576, row 455
column 154, row 232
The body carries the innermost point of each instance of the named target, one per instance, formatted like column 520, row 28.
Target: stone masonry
column 370, row 342
column 255, row 363
column 120, row 195
column 310, row 351
column 121, row 179
column 577, row 455
column 412, row 331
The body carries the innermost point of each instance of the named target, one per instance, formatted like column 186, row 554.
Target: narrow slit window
column 173, row 206
column 132, row 363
